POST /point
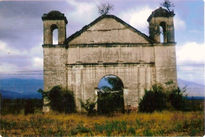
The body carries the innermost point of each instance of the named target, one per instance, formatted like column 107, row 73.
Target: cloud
column 84, row 12
column 190, row 72
column 8, row 68
column 38, row 63
column 36, row 51
column 8, row 51
column 137, row 17
column 179, row 23
column 190, row 53
column 14, row 60
column 190, row 61
column 5, row 50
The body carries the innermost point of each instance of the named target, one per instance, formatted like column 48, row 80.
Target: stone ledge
column 111, row 64
column 111, row 45
column 107, row 45
column 54, row 46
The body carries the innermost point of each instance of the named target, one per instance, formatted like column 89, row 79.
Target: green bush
column 177, row 99
column 159, row 98
column 154, row 99
column 109, row 102
column 61, row 100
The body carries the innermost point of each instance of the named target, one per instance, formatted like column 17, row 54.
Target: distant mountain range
column 20, row 88
column 192, row 89
column 27, row 88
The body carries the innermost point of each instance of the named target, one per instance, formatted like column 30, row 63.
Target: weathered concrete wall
column 83, row 79
column 134, row 64
column 165, row 63
column 110, row 54
column 108, row 31
column 81, row 68
column 55, row 72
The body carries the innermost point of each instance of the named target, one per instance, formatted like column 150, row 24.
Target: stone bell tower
column 161, row 18
column 54, row 54
column 51, row 21
column 161, row 31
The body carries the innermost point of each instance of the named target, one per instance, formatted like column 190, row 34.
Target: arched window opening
column 162, row 29
column 54, row 36
column 161, row 34
column 110, row 95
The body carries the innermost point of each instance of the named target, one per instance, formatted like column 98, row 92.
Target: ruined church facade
column 109, row 46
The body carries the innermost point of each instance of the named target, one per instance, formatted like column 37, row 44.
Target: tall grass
column 134, row 124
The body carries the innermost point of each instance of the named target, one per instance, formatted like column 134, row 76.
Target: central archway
column 110, row 94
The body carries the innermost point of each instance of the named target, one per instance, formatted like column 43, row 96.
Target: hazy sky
column 21, row 31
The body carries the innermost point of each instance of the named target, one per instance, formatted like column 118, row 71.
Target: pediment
column 108, row 29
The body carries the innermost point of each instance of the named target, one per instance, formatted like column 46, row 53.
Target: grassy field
column 134, row 124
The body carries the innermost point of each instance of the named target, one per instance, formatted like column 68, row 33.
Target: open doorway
column 110, row 95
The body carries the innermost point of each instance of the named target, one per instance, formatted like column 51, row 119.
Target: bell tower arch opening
column 162, row 29
column 110, row 95
column 54, row 34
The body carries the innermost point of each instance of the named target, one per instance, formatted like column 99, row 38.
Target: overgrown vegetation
column 168, row 5
column 107, row 103
column 104, row 8
column 153, row 100
column 159, row 98
column 163, row 123
column 177, row 98
column 89, row 106
column 60, row 99
column 110, row 101
column 110, row 96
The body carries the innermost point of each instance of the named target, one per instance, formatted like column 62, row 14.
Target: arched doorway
column 110, row 95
